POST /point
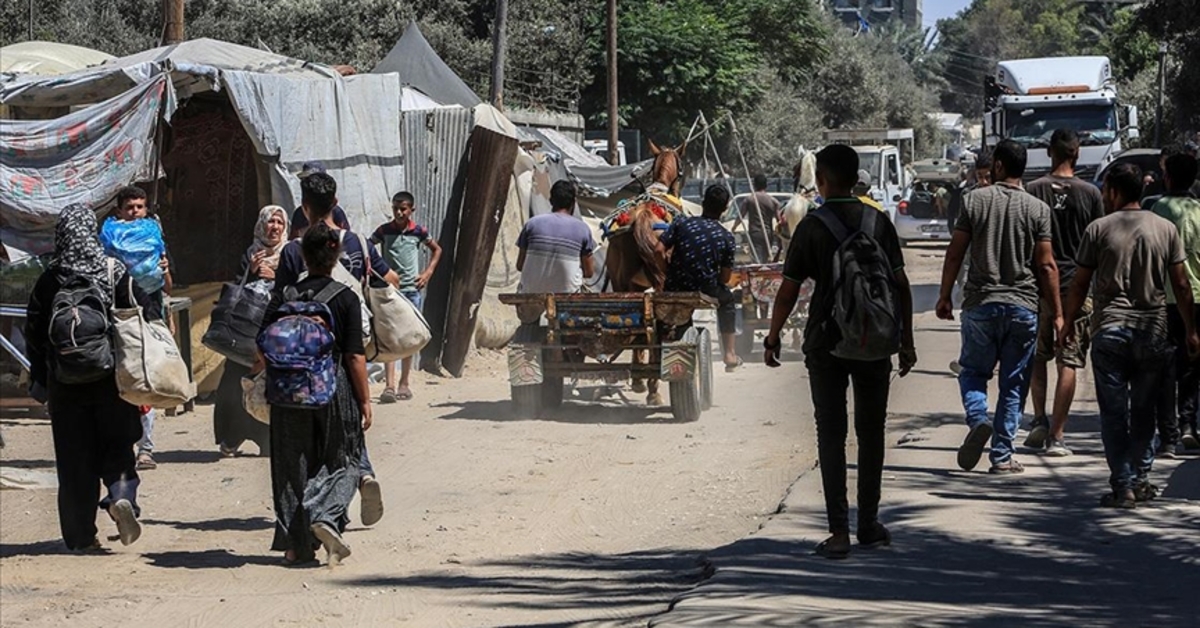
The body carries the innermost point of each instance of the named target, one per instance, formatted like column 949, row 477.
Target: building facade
column 863, row 13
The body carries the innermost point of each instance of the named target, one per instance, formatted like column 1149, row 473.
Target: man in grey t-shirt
column 1131, row 254
column 1008, row 233
column 556, row 248
column 1074, row 204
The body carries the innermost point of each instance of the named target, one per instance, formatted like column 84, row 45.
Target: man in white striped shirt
column 556, row 248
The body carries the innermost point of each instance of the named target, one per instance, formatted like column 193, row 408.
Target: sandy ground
column 598, row 516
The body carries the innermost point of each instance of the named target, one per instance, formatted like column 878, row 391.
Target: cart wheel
column 706, row 370
column 527, row 401
column 685, row 395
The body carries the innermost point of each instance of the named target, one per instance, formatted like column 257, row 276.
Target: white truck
column 1028, row 99
column 880, row 154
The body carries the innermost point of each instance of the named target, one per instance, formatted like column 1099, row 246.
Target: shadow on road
column 211, row 559
column 607, row 413
column 228, row 524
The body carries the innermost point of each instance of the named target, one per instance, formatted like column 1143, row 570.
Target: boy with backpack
column 860, row 315
column 135, row 239
column 1009, row 234
column 401, row 240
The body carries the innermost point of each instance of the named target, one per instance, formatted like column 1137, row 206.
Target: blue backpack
column 298, row 348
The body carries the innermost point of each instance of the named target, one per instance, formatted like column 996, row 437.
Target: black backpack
column 80, row 332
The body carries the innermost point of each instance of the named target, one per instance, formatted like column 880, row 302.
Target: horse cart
column 759, row 284
column 585, row 334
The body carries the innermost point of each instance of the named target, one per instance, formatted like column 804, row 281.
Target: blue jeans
column 997, row 333
column 1130, row 368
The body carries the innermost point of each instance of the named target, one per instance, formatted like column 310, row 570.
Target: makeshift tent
column 415, row 61
column 46, row 57
column 253, row 118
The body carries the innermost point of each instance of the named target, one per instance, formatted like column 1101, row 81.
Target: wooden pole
column 173, row 22
column 613, row 121
column 499, row 52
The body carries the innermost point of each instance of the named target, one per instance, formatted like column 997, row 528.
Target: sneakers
column 335, row 546
column 1144, row 491
column 972, row 447
column 1056, row 448
column 128, row 528
column 1008, row 467
column 1165, row 451
column 372, row 501
column 1190, row 441
column 1038, row 431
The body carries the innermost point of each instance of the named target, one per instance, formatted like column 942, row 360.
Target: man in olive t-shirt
column 1008, row 233
column 1074, row 204
column 1131, row 254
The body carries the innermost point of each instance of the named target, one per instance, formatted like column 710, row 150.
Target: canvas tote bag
column 399, row 330
column 150, row 370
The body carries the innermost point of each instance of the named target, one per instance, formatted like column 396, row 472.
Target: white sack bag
column 150, row 370
column 399, row 330
column 254, row 398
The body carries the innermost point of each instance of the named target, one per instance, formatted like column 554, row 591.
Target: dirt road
column 596, row 517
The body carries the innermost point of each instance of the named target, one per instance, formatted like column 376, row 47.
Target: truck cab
column 1028, row 99
column 882, row 159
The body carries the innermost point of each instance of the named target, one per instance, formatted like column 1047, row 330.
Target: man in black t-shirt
column 1074, row 204
column 811, row 256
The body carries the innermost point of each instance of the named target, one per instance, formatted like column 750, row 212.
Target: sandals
column 388, row 396
column 729, row 368
column 1144, row 491
column 145, row 461
column 1008, row 467
column 972, row 448
column 404, row 394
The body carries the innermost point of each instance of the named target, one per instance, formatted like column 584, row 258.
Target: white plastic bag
column 150, row 370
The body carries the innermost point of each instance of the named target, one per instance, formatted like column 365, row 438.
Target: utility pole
column 1162, row 87
column 173, row 22
column 499, row 51
column 613, row 121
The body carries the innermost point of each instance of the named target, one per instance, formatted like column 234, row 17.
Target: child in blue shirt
column 137, row 240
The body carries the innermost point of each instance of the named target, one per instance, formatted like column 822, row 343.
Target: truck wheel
column 706, row 370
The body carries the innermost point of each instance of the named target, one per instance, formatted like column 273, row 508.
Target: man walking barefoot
column 1008, row 232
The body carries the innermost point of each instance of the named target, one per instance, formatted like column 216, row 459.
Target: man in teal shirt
column 1182, row 208
column 401, row 241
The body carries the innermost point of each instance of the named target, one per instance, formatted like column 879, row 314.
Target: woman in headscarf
column 232, row 425
column 94, row 429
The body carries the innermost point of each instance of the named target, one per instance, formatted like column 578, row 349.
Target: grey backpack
column 864, row 291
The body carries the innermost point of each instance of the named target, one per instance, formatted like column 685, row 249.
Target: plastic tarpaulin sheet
column 351, row 126
column 84, row 157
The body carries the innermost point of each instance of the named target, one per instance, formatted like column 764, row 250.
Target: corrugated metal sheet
column 435, row 157
column 435, row 147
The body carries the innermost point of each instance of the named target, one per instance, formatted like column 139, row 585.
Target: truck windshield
column 870, row 163
column 1095, row 124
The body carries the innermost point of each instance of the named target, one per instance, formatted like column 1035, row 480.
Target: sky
column 934, row 10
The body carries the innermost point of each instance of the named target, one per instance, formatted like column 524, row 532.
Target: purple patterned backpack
column 298, row 347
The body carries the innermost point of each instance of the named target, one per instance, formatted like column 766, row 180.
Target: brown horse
column 632, row 263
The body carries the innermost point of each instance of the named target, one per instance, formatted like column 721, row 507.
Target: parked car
column 930, row 205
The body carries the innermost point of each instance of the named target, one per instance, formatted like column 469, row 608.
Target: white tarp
column 350, row 125
column 47, row 57
column 84, row 157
